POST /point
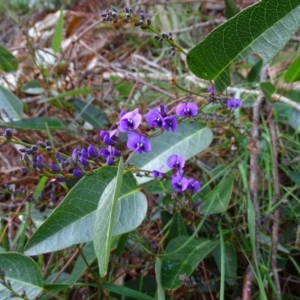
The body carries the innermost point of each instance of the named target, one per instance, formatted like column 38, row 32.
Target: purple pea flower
column 170, row 123
column 130, row 121
column 75, row 155
column 84, row 153
column 163, row 111
column 109, row 138
column 158, row 174
column 184, row 109
column 234, row 103
column 77, row 173
column 55, row 168
column 175, row 162
column 110, row 154
column 138, row 143
column 92, row 151
column 193, row 185
column 83, row 161
column 179, row 183
column 154, row 118
column 211, row 90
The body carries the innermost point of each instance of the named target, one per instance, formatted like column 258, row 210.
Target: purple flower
column 234, row 103
column 110, row 154
column 163, row 111
column 92, row 151
column 77, row 173
column 170, row 123
column 75, row 155
column 138, row 143
column 130, row 121
column 109, row 138
column 211, row 90
column 8, row 133
column 154, row 118
column 193, row 185
column 179, row 183
column 175, row 162
column 84, row 153
column 83, row 161
column 58, row 157
column 184, row 109
column 55, row 168
column 157, row 174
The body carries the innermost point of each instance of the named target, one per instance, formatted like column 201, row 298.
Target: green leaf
column 104, row 221
column 8, row 62
column 33, row 87
column 253, row 75
column 10, row 104
column 58, row 33
column 294, row 118
column 268, row 89
column 80, row 91
column 230, row 9
column 89, row 113
column 37, row 123
column 242, row 35
column 184, row 261
column 230, row 260
column 190, row 139
column 160, row 290
column 72, row 221
column 292, row 74
column 295, row 176
column 220, row 195
column 177, row 228
column 125, row 291
column 23, row 274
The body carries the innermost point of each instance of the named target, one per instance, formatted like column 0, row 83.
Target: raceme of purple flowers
column 178, row 182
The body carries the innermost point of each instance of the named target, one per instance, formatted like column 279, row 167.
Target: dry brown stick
column 276, row 214
column 254, row 151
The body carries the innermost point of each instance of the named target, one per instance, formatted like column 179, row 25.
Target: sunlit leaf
column 263, row 28
column 292, row 74
column 23, row 274
column 8, row 62
column 11, row 107
column 58, row 33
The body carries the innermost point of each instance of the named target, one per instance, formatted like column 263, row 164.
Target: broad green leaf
column 80, row 265
column 253, row 75
column 72, row 221
column 292, row 74
column 268, row 89
column 176, row 228
column 23, row 274
column 125, row 291
column 58, row 33
column 11, row 107
column 230, row 259
column 190, row 139
column 185, row 261
column 160, row 291
column 80, row 91
column 8, row 62
column 295, row 176
column 105, row 214
column 263, row 28
column 33, row 87
column 37, row 123
column 220, row 196
column 294, row 118
column 230, row 9
column 89, row 113
column 266, row 240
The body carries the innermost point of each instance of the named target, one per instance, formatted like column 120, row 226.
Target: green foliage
column 243, row 35
column 11, row 107
column 292, row 74
column 8, row 62
column 58, row 33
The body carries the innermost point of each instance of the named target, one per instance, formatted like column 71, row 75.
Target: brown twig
column 276, row 182
column 254, row 151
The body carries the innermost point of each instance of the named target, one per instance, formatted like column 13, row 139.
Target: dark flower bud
column 58, row 157
column 103, row 15
column 148, row 21
column 77, row 173
column 60, row 179
column 84, row 153
column 83, row 161
column 92, row 151
column 142, row 17
column 137, row 24
column 29, row 151
column 170, row 36
column 164, row 36
column 23, row 150
column 144, row 27
column 157, row 37
column 126, row 10
column 8, row 133
column 113, row 9
column 48, row 148
column 47, row 143
column 41, row 144
column 34, row 148
column 55, row 168
column 26, row 157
